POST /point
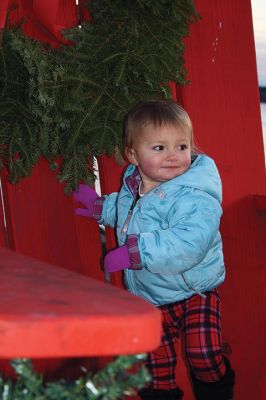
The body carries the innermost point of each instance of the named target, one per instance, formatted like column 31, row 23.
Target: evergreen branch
column 86, row 116
column 107, row 40
column 109, row 95
column 3, row 61
column 15, row 83
column 83, row 80
column 112, row 382
column 137, row 57
column 70, row 102
column 111, row 57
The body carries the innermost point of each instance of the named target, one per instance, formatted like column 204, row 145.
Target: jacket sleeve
column 107, row 210
column 192, row 232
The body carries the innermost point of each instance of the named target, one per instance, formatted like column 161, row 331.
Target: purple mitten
column 86, row 196
column 117, row 260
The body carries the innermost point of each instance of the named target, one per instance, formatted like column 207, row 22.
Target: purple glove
column 117, row 260
column 86, row 196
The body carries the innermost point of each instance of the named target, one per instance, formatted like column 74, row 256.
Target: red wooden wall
column 223, row 101
column 40, row 217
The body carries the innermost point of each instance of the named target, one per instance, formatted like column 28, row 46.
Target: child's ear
column 131, row 155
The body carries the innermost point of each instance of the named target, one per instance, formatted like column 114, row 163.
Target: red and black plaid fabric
column 199, row 320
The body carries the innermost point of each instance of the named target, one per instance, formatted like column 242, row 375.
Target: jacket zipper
column 129, row 216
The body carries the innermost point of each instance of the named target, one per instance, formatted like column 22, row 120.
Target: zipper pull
column 127, row 221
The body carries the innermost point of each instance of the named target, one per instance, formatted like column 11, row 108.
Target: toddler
column 167, row 217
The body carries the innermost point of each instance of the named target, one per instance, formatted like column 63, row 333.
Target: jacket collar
column 202, row 175
column 133, row 179
column 133, row 182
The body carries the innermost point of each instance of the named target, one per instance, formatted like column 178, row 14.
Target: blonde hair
column 157, row 113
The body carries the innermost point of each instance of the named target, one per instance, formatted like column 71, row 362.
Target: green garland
column 112, row 382
column 68, row 104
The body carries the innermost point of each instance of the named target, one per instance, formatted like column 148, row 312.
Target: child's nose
column 172, row 155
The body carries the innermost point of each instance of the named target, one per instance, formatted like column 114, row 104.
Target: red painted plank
column 42, row 224
column 223, row 101
column 260, row 202
column 47, row 311
column 3, row 12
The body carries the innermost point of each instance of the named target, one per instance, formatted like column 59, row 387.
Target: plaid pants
column 199, row 320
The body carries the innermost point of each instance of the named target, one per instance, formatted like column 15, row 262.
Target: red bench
column 48, row 311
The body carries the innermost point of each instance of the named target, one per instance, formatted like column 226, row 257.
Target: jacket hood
column 202, row 175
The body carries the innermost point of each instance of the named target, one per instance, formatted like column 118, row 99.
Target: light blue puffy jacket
column 177, row 224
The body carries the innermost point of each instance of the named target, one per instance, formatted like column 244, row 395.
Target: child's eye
column 182, row 147
column 158, row 148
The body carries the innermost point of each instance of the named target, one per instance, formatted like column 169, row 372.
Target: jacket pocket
column 191, row 288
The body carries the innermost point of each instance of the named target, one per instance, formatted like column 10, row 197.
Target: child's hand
column 117, row 260
column 86, row 196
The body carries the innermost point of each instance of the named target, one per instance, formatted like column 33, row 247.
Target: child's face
column 161, row 153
